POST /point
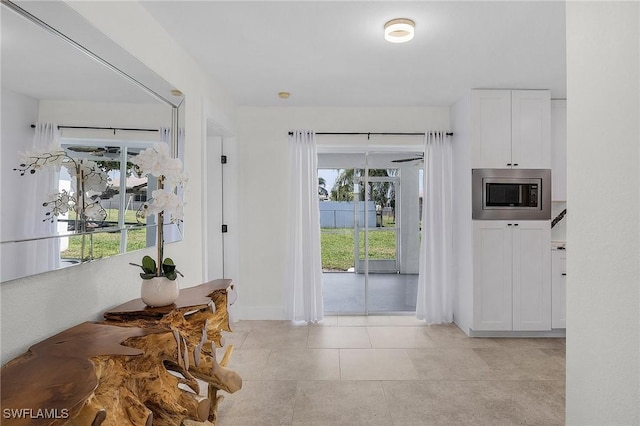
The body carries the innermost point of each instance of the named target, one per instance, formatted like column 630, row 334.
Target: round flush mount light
column 284, row 95
column 399, row 30
column 176, row 92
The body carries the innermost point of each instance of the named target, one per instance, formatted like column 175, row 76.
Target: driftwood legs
column 159, row 387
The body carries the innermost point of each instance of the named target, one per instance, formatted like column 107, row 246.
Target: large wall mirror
column 66, row 84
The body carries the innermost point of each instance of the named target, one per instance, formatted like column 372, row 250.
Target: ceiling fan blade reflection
column 404, row 160
column 87, row 149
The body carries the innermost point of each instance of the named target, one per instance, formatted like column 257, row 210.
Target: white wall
column 603, row 262
column 263, row 186
column 39, row 306
column 463, row 225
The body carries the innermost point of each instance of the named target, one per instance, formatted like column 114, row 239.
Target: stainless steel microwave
column 511, row 194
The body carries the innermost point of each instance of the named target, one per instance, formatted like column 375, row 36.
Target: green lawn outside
column 106, row 244
column 337, row 247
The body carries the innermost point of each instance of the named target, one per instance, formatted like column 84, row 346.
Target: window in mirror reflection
column 124, row 195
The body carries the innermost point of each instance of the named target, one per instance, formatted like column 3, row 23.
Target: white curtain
column 41, row 255
column 435, row 282
column 304, row 280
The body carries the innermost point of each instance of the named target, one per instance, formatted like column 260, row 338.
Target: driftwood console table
column 141, row 366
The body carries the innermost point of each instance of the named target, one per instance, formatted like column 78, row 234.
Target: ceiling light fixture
column 284, row 95
column 399, row 30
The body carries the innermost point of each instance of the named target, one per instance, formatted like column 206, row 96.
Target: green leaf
column 148, row 265
column 168, row 266
column 169, row 269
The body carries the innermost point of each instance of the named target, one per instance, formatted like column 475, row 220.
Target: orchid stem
column 160, row 242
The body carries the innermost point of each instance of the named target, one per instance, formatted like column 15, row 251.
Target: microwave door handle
column 520, row 194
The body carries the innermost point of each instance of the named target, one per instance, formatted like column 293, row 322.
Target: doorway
column 369, row 214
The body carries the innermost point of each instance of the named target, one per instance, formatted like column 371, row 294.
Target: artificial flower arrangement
column 165, row 200
column 90, row 181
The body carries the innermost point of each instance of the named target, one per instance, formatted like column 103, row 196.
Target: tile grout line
column 295, row 402
column 369, row 337
column 386, row 401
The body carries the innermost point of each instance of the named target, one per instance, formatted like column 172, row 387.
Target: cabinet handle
column 515, row 164
column 564, row 274
column 509, row 224
column 508, row 164
column 515, row 224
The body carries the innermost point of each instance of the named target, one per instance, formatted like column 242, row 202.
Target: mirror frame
column 60, row 20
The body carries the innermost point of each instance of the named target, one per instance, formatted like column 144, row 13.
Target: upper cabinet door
column 559, row 150
column 531, row 129
column 491, row 128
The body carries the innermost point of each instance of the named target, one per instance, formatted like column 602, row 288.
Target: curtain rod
column 33, row 126
column 374, row 133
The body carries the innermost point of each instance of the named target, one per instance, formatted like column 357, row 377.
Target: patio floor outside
column 344, row 293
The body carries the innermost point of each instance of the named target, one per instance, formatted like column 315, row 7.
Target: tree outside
column 338, row 244
column 322, row 188
column 382, row 193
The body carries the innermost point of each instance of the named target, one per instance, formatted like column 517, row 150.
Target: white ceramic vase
column 159, row 291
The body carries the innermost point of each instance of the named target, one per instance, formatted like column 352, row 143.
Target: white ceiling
column 333, row 53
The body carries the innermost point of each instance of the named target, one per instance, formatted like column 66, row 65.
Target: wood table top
column 57, row 374
column 192, row 297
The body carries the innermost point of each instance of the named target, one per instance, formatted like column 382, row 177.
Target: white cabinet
column 559, row 150
column 558, row 288
column 492, row 276
column 491, row 128
column 511, row 129
column 511, row 275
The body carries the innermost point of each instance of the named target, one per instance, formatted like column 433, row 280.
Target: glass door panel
column 381, row 229
column 340, row 215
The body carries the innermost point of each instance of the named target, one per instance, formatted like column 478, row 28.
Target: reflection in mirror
column 57, row 98
column 122, row 196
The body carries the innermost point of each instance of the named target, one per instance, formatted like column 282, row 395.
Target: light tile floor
column 390, row 370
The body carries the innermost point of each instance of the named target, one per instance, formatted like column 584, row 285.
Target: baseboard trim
column 258, row 313
column 559, row 332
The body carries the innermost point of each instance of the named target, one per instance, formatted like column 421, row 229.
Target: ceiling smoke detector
column 399, row 30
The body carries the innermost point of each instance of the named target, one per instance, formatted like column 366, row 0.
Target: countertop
column 555, row 244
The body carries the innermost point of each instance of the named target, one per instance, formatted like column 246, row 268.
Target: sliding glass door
column 369, row 259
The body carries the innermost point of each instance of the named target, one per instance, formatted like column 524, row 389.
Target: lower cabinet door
column 492, row 271
column 531, row 276
column 559, row 289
